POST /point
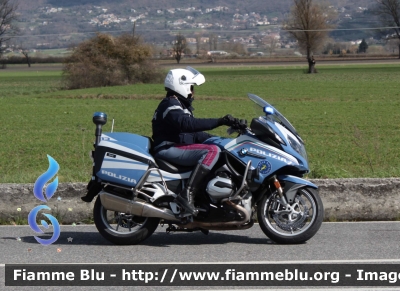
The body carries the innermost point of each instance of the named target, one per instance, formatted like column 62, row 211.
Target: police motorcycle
column 259, row 174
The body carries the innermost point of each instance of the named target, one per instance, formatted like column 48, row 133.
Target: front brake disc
column 295, row 225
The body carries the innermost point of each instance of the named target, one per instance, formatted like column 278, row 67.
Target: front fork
column 279, row 189
column 286, row 204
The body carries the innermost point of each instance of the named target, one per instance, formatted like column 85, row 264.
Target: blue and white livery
column 260, row 171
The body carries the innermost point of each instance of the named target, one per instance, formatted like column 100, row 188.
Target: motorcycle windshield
column 264, row 108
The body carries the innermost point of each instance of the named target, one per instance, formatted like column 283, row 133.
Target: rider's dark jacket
column 173, row 121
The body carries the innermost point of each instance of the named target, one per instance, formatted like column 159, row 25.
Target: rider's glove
column 242, row 124
column 228, row 120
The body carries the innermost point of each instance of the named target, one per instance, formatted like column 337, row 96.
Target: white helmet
column 182, row 81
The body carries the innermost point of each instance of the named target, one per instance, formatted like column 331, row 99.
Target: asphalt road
column 361, row 242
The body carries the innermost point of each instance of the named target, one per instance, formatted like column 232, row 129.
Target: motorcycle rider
column 178, row 135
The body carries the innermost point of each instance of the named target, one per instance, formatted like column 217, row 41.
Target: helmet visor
column 197, row 78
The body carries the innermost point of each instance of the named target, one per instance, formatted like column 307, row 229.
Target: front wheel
column 295, row 223
column 121, row 228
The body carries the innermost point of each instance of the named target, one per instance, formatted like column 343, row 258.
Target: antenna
column 112, row 126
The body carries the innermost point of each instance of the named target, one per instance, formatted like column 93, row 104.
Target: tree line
column 126, row 59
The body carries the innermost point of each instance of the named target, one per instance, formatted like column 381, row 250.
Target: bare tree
column 213, row 41
column 389, row 14
column 8, row 15
column 25, row 52
column 270, row 43
column 309, row 23
column 179, row 47
column 198, row 41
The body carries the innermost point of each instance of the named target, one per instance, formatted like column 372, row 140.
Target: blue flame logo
column 49, row 191
column 44, row 178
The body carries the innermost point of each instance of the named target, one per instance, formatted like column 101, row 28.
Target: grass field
column 349, row 116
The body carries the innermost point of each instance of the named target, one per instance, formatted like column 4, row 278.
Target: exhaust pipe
column 144, row 209
column 135, row 207
column 230, row 225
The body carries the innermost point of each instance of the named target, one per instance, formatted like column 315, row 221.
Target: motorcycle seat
column 170, row 168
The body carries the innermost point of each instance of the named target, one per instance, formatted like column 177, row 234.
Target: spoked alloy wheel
column 296, row 223
column 121, row 228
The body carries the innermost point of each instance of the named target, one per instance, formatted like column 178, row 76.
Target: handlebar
column 240, row 127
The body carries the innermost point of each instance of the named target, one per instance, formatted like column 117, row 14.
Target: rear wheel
column 120, row 228
column 295, row 223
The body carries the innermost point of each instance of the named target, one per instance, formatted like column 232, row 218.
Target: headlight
column 298, row 147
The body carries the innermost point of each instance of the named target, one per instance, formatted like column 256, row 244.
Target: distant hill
column 61, row 23
column 259, row 6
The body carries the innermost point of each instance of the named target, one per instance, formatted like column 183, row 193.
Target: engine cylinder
column 220, row 187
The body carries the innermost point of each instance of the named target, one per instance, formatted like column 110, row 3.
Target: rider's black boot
column 186, row 197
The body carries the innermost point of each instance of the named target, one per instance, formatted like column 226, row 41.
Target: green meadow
column 348, row 115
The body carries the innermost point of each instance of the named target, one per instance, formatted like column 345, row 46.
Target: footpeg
column 185, row 205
